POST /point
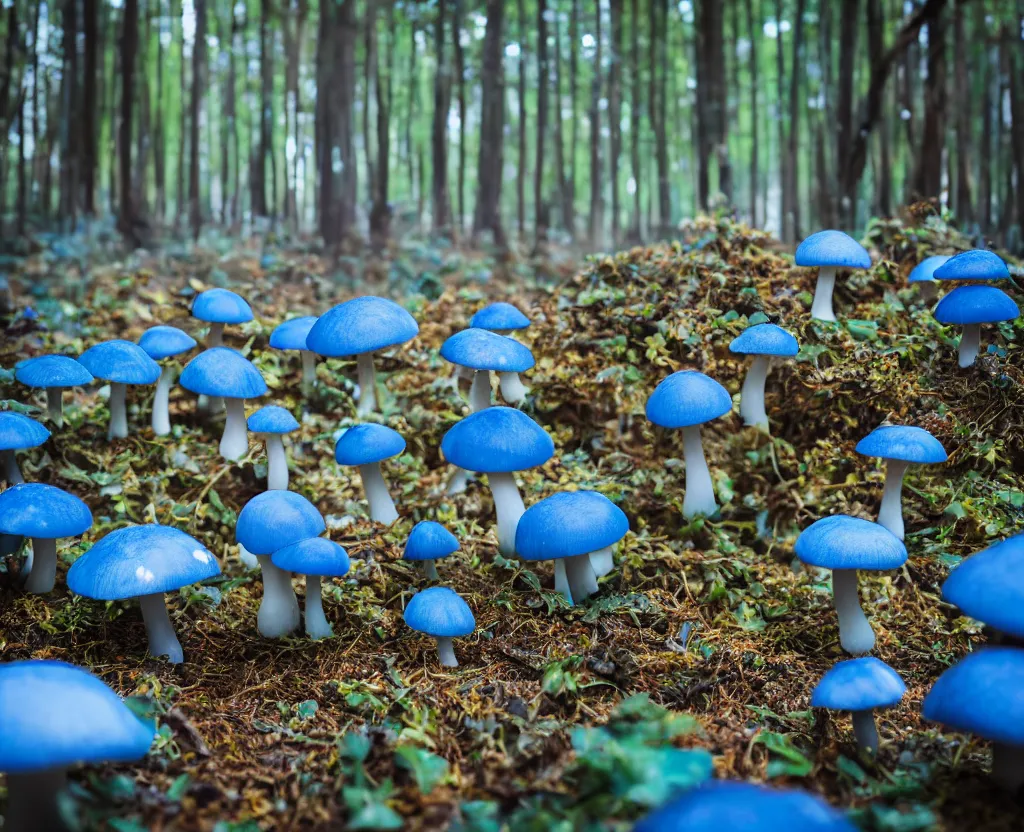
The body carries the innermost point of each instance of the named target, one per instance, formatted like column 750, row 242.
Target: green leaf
column 786, row 760
column 178, row 788
column 307, row 709
column 428, row 769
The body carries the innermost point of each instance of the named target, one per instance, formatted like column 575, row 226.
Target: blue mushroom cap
column 368, row 443
column 165, row 341
column 430, row 541
column 500, row 316
column 361, row 325
column 222, row 371
column 983, row 694
column 52, row 371
column 859, row 685
column 439, row 612
column 272, row 419
column 275, row 519
column 497, row 440
column 221, row 306
column 481, row 349
column 844, row 542
column 925, row 270
column 65, row 715
column 141, row 560
column 121, row 362
column 687, row 398
column 977, row 304
column 34, row 509
column 313, row 556
column 977, row 264
column 569, row 523
column 18, row 431
column 902, row 442
column 765, row 339
column 989, row 586
column 832, row 248
column 291, row 335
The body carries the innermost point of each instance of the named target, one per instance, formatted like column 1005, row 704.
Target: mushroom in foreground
column 54, row 374
column 687, row 400
column 845, row 545
column 17, row 433
column 829, row 251
column 900, row 446
column 970, row 307
column 64, row 716
column 144, row 563
column 272, row 423
column 484, row 352
column 860, row 686
column 291, row 335
column 429, row 541
column 923, row 276
column 366, row 446
column 160, row 342
column 316, row 558
column 441, row 613
column 763, row 341
column 989, row 587
column 121, row 363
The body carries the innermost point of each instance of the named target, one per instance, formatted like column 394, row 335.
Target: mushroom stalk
column 12, row 473
column 970, row 344
column 446, row 652
column 822, row 306
column 855, row 633
column 480, row 391
column 864, row 730
column 33, row 801
column 277, row 464
column 215, row 339
column 161, row 420
column 562, row 580
column 118, row 428
column 508, row 505
column 429, row 570
column 1007, row 766
column 162, row 639
column 44, row 566
column 580, row 577
column 752, row 394
column 279, row 610
column 457, row 484
column 317, row 626
column 234, row 443
column 460, row 373
column 248, row 559
column 602, row 561
column 308, row 371
column 512, row 389
column 382, row 507
column 367, row 384
column 890, row 515
column 55, row 405
column 700, row 492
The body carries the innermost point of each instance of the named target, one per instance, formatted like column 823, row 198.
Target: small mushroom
column 989, row 587
column 144, row 563
column 54, row 374
column 923, row 276
column 366, row 446
column 160, row 342
column 17, row 432
column 218, row 307
column 845, row 545
column 860, row 686
column 316, row 558
column 440, row 612
column 429, row 541
column 763, row 341
column 272, row 422
column 121, row 363
column 687, row 400
column 291, row 335
column 504, row 319
column 970, row 307
column 829, row 251
column 899, row 446
column 484, row 352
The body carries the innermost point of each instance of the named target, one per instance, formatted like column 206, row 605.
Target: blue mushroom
column 923, row 275
column 54, row 374
column 144, row 563
column 366, row 446
column 764, row 342
column 687, row 400
column 218, row 307
column 160, row 342
column 291, row 335
column 845, row 545
column 272, row 422
column 860, row 686
column 989, row 587
column 440, row 612
column 58, row 716
column 121, row 363
column 361, row 327
column 429, row 541
column 17, row 432
column 970, row 307
column 829, row 251
column 977, row 264
column 316, row 558
column 500, row 317
column 483, row 352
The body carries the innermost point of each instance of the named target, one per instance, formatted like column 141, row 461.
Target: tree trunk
column 596, row 203
column 754, row 33
column 293, row 29
column 70, row 157
column 369, row 63
column 539, row 202
column 179, row 196
column 198, row 87
column 848, row 25
column 795, row 108
column 712, row 134
column 876, row 48
column 460, row 72
column 36, row 28
column 90, row 134
column 985, row 154
column 928, row 172
column 615, row 113
column 441, row 206
column 635, row 109
column 129, row 47
column 661, row 130
column 564, row 193
column 574, row 84
column 521, row 110
column 380, row 212
column 159, row 140
column 780, row 64
column 964, row 188
column 258, row 176
column 824, row 186
column 492, row 127
column 410, row 149
column 1017, row 113
column 231, row 106
column 142, row 137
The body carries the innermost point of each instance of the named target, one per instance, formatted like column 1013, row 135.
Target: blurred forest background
column 598, row 123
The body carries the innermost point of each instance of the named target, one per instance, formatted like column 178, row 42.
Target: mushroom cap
column 165, row 341
column 859, row 685
column 832, row 248
column 221, row 306
column 903, row 442
column 976, row 304
column 765, row 339
column 499, row 316
column 989, row 586
column 368, row 443
column 976, row 264
column 141, row 560
column 222, row 371
column 439, row 612
column 481, row 349
column 924, row 272
column 291, row 335
column 497, row 440
column 687, row 398
column 982, row 694
column 52, row 371
column 121, row 362
column 275, row 519
column 65, row 715
column 34, row 509
column 569, row 523
column 429, row 541
column 365, row 324
column 732, row 806
column 18, row 431
column 844, row 542
column 313, row 556
column 272, row 419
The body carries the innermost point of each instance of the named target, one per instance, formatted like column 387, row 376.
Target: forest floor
column 706, row 636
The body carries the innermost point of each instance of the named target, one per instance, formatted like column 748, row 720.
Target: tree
column 521, row 110
column 753, row 34
column 492, row 127
column 439, row 132
column 460, row 74
column 712, row 113
column 635, row 109
column 380, row 212
column 927, row 182
column 539, row 201
column 127, row 222
column 198, row 87
column 90, row 137
column 615, row 112
column 596, row 204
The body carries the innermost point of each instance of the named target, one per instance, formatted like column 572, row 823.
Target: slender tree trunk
column 460, row 73
column 876, row 48
column 410, row 148
column 231, row 106
column 1016, row 90
column 785, row 232
column 129, row 48
column 521, row 110
column 492, row 127
column 34, row 174
column 928, row 173
column 441, row 209
column 179, row 196
column 198, row 87
column 848, row 25
column 90, row 135
column 615, row 113
column 22, row 193
column 824, row 176
column 754, row 34
column 142, row 137
column 159, row 139
column 661, row 135
column 369, row 62
column 260, row 206
column 560, row 171
column 574, row 127
column 539, row 202
column 71, row 157
column 796, row 105
column 985, row 155
column 292, row 28
column 635, row 110
column 380, row 213
column 964, row 188
column 596, row 200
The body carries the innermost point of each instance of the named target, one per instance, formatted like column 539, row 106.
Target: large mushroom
column 291, row 335
column 989, row 587
column 54, row 374
column 159, row 343
column 970, row 307
column 17, row 433
column 830, row 251
column 121, row 363
column 923, row 276
column 860, row 686
column 316, row 558
column 976, row 264
column 484, row 352
column 366, row 446
column 272, row 423
column 441, row 613
column 764, row 342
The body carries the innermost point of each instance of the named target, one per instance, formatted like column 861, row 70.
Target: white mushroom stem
column 512, row 389
column 55, row 405
column 44, row 566
column 508, row 505
column 162, row 639
column 308, row 371
column 855, row 633
column 864, row 730
column 317, row 626
column 458, row 482
column 890, row 515
column 700, row 492
column 822, row 306
column 602, row 561
column 382, row 507
column 429, row 570
column 161, row 419
column 248, row 559
column 215, row 339
column 1007, row 766
column 234, row 443
column 12, row 473
column 279, row 610
column 480, row 391
column 33, row 801
column 118, row 428
column 460, row 373
column 970, row 344
column 752, row 394
column 367, row 384
column 446, row 652
column 580, row 577
column 277, row 464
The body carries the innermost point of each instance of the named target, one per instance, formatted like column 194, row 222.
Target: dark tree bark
column 460, row 74
column 754, row 35
column 824, row 175
column 615, row 113
column 198, row 88
column 928, row 172
column 596, row 201
column 231, row 106
column 964, row 207
column 795, row 108
column 985, row 156
column 159, row 139
column 635, row 110
column 780, row 71
column 492, row 127
column 90, row 133
column 380, row 212
column 441, row 205
column 712, row 134
column 574, row 127
column 70, row 164
column 1016, row 59
column 539, row 201
column 369, row 62
column 258, row 175
column 410, row 149
column 844, row 109
column 126, row 221
column 179, row 196
column 293, row 26
column 661, row 128
column 564, row 191
column 521, row 105
column 876, row 48
column 142, row 136
column 36, row 24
